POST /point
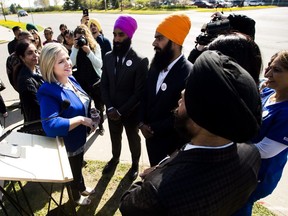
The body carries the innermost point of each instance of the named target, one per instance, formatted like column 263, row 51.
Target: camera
column 81, row 41
column 212, row 29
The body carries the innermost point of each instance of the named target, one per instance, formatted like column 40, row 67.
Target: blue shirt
column 275, row 127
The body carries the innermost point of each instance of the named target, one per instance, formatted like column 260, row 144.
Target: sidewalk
column 6, row 34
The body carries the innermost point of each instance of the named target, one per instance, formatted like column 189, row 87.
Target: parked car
column 22, row 13
column 203, row 4
column 239, row 3
column 223, row 4
column 255, row 3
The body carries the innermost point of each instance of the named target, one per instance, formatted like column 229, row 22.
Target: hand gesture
column 84, row 20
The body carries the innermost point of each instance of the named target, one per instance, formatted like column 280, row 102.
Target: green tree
column 67, row 5
column 76, row 4
column 13, row 8
column 100, row 5
column 42, row 3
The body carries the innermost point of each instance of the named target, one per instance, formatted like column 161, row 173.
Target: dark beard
column 162, row 58
column 180, row 125
column 121, row 48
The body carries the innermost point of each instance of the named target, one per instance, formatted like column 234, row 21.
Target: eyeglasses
column 33, row 41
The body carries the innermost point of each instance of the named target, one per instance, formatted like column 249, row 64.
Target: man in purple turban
column 122, row 83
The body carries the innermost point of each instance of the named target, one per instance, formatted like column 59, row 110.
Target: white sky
column 24, row 3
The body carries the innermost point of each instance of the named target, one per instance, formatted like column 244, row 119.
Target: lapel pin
column 128, row 63
column 163, row 86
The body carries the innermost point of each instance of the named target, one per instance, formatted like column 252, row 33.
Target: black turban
column 223, row 98
column 242, row 24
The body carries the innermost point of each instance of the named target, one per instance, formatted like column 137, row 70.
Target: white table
column 41, row 159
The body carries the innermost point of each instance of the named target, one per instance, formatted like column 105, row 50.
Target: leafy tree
column 13, row 8
column 67, row 5
column 100, row 5
column 42, row 3
column 142, row 2
column 76, row 4
column 85, row 4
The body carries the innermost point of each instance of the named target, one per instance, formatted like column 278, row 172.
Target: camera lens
column 81, row 41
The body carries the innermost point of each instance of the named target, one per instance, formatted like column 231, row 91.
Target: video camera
column 212, row 29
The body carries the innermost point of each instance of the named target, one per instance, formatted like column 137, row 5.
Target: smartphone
column 85, row 12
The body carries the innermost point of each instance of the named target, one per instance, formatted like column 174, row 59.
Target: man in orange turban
column 166, row 79
column 175, row 27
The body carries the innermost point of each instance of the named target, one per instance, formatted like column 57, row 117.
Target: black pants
column 77, row 185
column 132, row 132
column 2, row 105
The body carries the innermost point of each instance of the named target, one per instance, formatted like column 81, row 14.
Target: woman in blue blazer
column 71, row 125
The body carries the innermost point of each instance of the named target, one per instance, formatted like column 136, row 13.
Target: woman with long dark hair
column 29, row 80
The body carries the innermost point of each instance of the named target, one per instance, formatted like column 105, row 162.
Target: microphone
column 65, row 104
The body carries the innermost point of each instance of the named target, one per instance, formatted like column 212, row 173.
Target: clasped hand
column 113, row 114
column 146, row 131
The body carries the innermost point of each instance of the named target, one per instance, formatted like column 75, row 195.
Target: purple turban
column 127, row 24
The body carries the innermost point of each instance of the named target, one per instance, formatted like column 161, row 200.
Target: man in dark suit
column 122, row 84
column 166, row 80
column 12, row 44
column 212, row 174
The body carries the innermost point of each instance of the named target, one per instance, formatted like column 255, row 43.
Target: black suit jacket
column 28, row 84
column 196, row 182
column 157, row 109
column 124, row 93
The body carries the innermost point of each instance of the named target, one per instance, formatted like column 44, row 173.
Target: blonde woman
column 37, row 40
column 86, row 55
column 72, row 124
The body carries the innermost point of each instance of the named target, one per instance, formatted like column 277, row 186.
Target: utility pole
column 31, row 12
column 3, row 12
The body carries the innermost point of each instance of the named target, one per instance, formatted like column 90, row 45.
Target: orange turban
column 175, row 27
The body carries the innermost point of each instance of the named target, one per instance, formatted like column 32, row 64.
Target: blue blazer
column 51, row 97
